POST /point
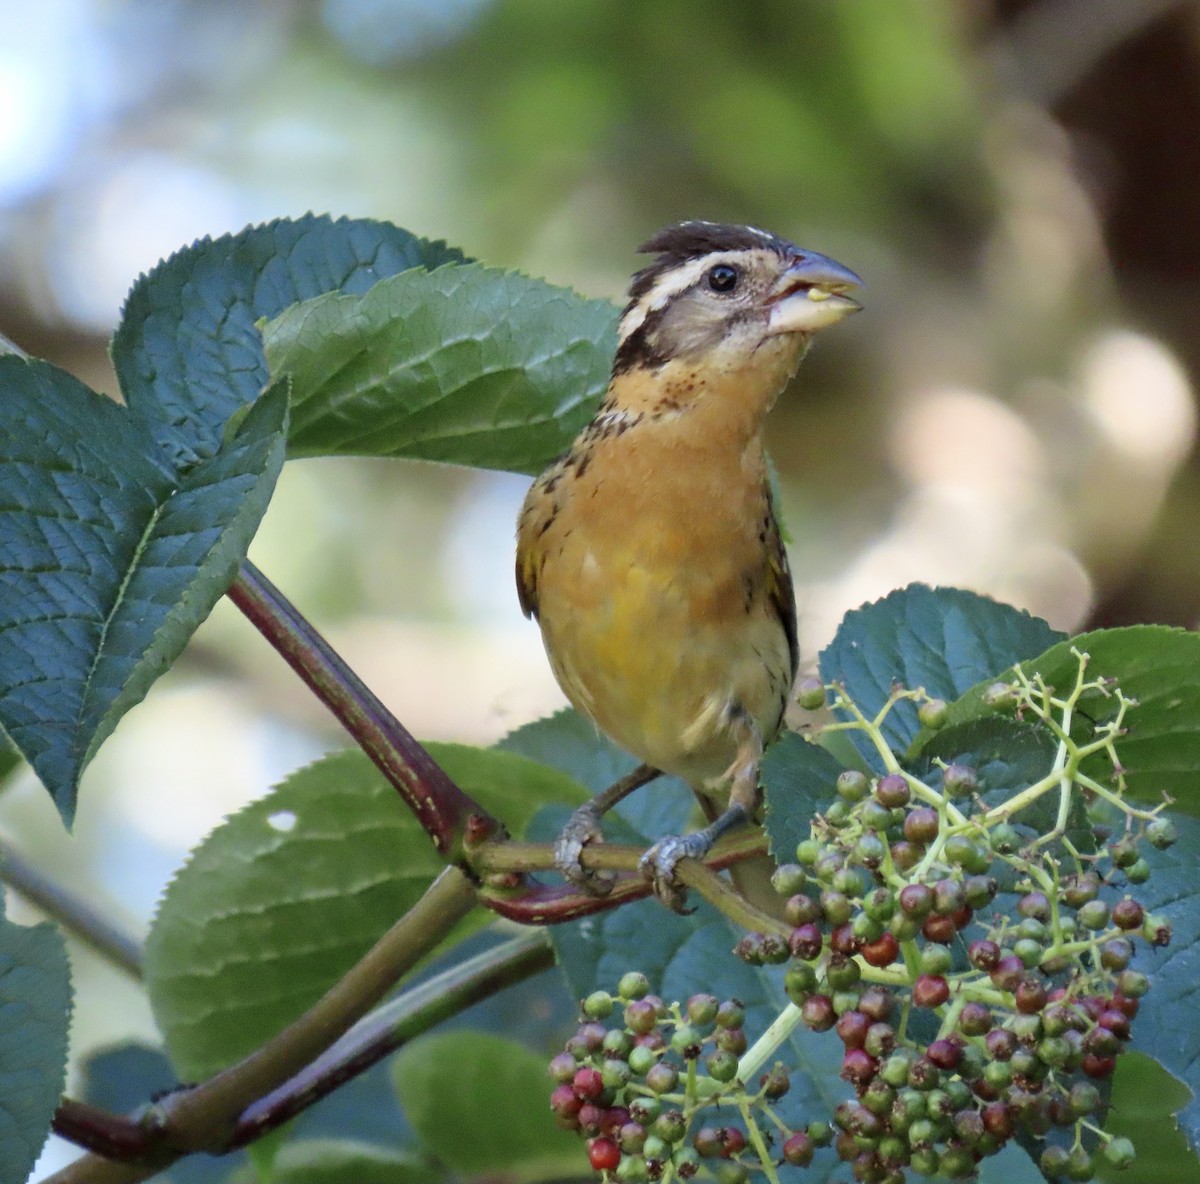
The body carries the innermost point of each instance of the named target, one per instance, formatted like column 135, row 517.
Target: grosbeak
column 650, row 552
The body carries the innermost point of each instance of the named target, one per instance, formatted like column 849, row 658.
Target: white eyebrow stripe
column 671, row 283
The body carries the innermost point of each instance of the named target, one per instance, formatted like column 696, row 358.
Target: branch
column 205, row 1117
column 554, row 904
column 394, row 1025
column 75, row 914
column 444, row 811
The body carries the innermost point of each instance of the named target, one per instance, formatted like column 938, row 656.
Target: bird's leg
column 744, row 798
column 583, row 827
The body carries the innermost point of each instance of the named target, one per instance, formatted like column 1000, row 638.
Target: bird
column 650, row 552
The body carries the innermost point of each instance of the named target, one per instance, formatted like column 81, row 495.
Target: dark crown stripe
column 691, row 240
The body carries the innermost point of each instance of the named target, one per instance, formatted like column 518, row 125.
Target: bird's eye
column 723, row 278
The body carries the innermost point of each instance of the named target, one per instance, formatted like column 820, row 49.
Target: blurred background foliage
column 1017, row 180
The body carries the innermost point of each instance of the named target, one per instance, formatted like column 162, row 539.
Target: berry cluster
column 641, row 1092
column 976, row 970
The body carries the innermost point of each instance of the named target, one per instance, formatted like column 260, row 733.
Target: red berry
column 1126, row 1004
column 939, row 929
column 1007, row 973
column 983, row 954
column 587, row 1084
column 859, row 1068
column 1030, row 995
column 946, row 1054
column 604, row 1154
column 1098, row 1067
column 882, row 952
column 852, row 1027
column 1128, row 914
column 1117, row 1022
column 997, row 1120
column 563, row 1101
column 590, row 1118
column 817, row 1012
column 930, row 990
column 877, row 1002
column 733, row 1141
column 974, row 1020
column 798, row 1150
column 1000, row 1044
column 842, row 939
column 962, row 917
column 805, row 942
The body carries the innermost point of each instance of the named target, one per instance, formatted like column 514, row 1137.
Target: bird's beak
column 811, row 295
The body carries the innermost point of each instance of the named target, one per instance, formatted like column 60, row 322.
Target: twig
column 205, row 1117
column 75, row 914
column 394, row 1025
column 444, row 811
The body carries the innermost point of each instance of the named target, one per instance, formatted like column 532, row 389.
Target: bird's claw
column 582, row 827
column 659, row 862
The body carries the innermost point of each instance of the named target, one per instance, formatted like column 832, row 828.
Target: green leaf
column 943, row 639
column 35, row 1011
column 188, row 352
column 1165, row 1027
column 797, row 778
column 112, row 557
column 282, row 899
column 568, row 742
column 469, row 365
column 347, row 1161
column 1154, row 664
column 477, row 1103
column 1145, row 1099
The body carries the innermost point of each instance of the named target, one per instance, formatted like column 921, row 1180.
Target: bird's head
column 721, row 293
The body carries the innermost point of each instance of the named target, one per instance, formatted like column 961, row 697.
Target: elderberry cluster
column 972, row 955
column 653, row 1096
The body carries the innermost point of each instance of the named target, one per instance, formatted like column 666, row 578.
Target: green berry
column 1005, row 838
column 598, row 1005
column 788, row 879
column 959, row 780
column 633, row 985
column 810, row 694
column 808, row 852
column 642, row 1060
column 852, row 785
column 1161, row 833
column 933, row 713
column 701, row 1009
column 662, row 1078
column 1138, row 872
column 632, row 1170
column 1053, row 1162
column 1119, row 1152
column 722, row 1066
column 685, row 1037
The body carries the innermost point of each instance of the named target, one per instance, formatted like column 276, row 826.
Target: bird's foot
column 659, row 862
column 582, row 827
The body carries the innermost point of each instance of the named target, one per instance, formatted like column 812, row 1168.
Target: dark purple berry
column 817, row 1013
column 921, row 825
column 797, row 1150
column 893, row 791
column 859, row 1067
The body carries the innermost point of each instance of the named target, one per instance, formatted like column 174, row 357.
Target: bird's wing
column 536, row 515
column 780, row 592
